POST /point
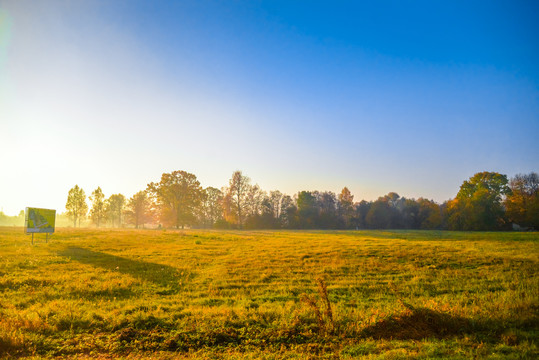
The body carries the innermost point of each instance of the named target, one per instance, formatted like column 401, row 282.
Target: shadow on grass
column 417, row 324
column 163, row 275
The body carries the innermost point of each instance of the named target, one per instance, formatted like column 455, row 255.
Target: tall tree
column 212, row 206
column 254, row 200
column 478, row 204
column 522, row 205
column 327, row 214
column 379, row 215
column 409, row 214
column 288, row 208
column 97, row 213
column 114, row 207
column 76, row 204
column 178, row 196
column 229, row 213
column 429, row 215
column 307, row 209
column 275, row 200
column 138, row 209
column 346, row 207
column 280, row 206
column 386, row 212
column 238, row 188
column 362, row 209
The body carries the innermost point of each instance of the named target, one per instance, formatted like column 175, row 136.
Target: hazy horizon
column 410, row 98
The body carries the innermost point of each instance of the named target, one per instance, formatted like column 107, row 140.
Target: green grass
column 260, row 294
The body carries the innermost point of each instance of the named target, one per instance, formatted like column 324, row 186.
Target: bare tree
column 254, row 200
column 239, row 186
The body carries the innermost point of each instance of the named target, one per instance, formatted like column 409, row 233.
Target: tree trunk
column 240, row 220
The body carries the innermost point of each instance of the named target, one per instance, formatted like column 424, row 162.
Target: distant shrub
column 222, row 224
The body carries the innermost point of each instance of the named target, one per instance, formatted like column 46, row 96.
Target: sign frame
column 39, row 220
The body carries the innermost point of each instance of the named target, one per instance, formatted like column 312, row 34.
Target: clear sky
column 406, row 96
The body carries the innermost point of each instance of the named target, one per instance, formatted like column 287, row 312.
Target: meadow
column 166, row 294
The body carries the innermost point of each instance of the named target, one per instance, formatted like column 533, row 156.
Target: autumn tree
column 211, row 209
column 254, row 201
column 478, row 204
column 228, row 208
column 409, row 214
column 522, row 205
column 346, row 207
column 97, row 213
column 280, row 206
column 361, row 210
column 307, row 209
column 261, row 216
column 429, row 215
column 76, row 204
column 238, row 189
column 379, row 215
column 114, row 208
column 327, row 210
column 417, row 214
column 138, row 209
column 386, row 212
column 275, row 199
column 178, row 196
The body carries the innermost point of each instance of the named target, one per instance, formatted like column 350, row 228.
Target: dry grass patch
column 228, row 294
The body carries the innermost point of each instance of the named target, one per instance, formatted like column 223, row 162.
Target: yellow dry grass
column 254, row 294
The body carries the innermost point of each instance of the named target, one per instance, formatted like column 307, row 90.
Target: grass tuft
column 321, row 306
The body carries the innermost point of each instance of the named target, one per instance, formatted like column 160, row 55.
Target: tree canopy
column 486, row 201
column 76, row 204
column 237, row 192
column 139, row 210
column 522, row 204
column 177, row 195
column 478, row 204
column 97, row 213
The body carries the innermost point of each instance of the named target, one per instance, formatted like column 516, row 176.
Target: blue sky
column 411, row 97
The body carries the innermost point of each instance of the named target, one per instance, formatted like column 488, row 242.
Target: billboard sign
column 39, row 220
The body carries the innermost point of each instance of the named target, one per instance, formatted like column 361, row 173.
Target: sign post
column 39, row 221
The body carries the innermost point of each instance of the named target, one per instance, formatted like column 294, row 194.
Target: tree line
column 486, row 201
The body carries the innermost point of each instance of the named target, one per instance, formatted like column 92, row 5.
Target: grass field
column 269, row 294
